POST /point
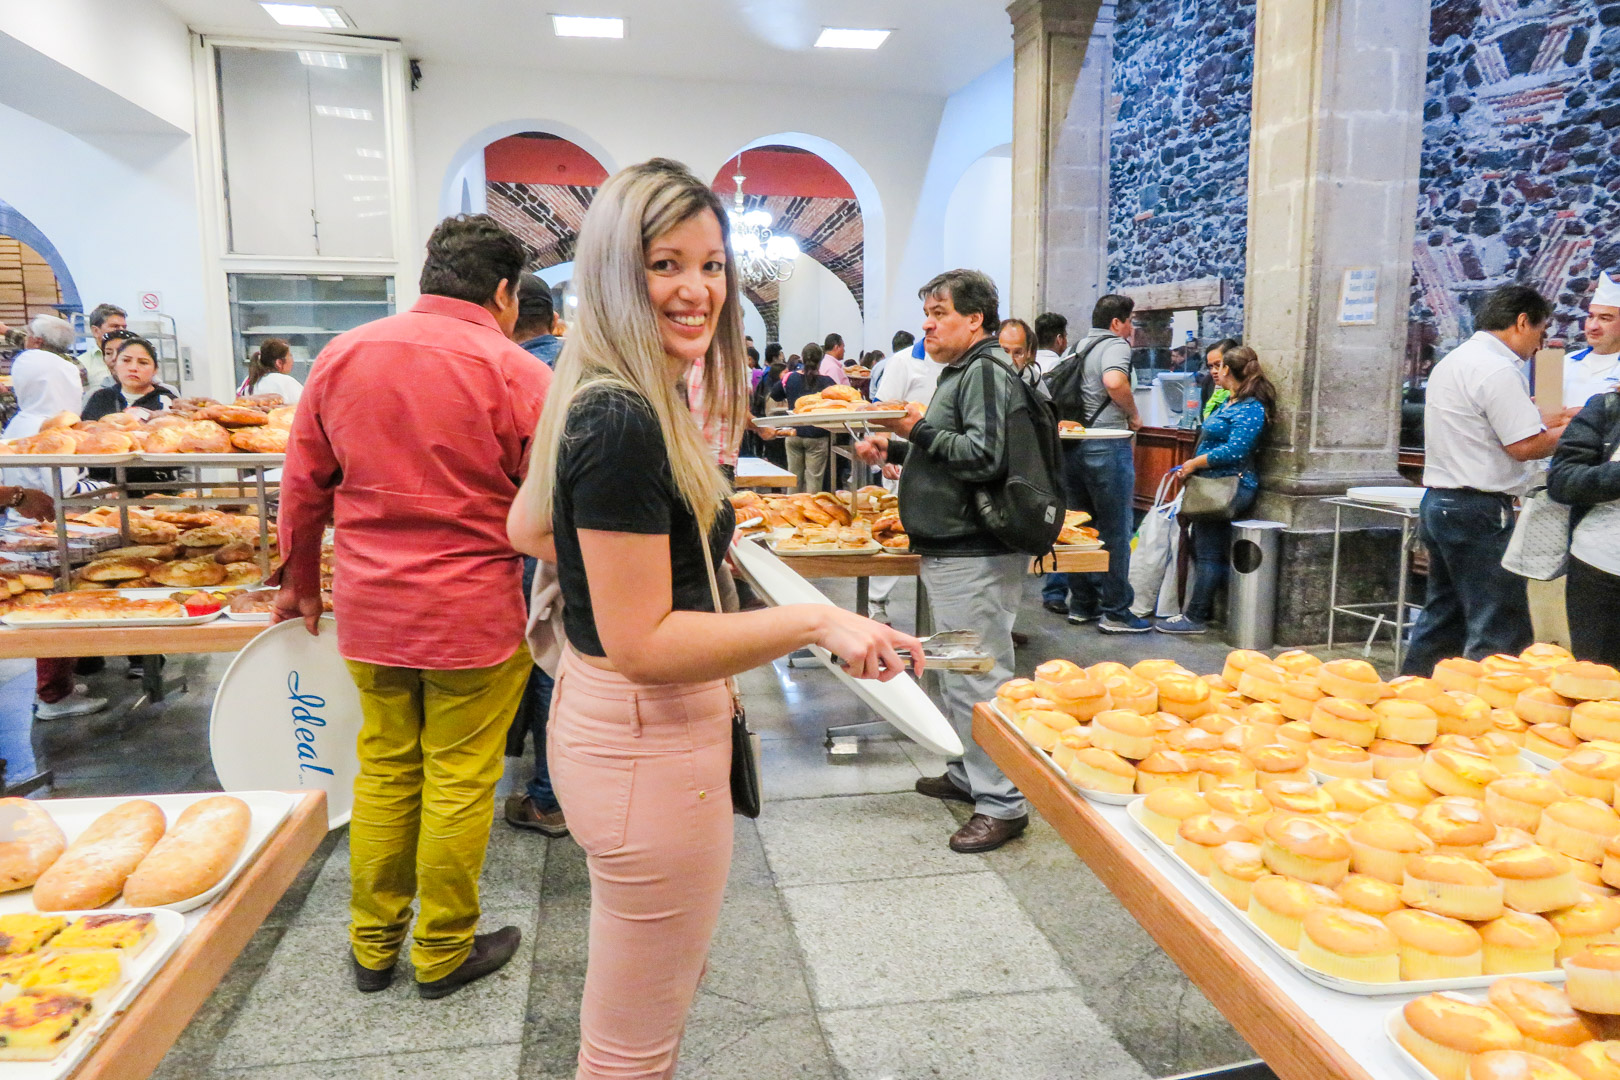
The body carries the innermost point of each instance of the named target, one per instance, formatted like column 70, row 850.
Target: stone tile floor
column 853, row 944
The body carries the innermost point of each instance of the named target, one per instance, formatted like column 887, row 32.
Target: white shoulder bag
column 1539, row 547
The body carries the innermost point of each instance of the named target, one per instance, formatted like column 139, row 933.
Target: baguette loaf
column 193, row 856
column 39, row 843
column 95, row 866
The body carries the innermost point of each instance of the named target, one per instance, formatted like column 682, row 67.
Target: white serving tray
column 900, row 701
column 1542, row 762
column 872, row 549
column 233, row 461
column 1332, row 982
column 268, row 808
column 78, row 461
column 247, row 616
column 1108, row 798
column 887, row 550
column 1407, row 498
column 1097, row 433
column 171, row 928
column 105, row 624
column 828, row 420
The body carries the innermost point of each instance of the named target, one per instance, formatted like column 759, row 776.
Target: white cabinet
column 306, row 153
column 305, row 310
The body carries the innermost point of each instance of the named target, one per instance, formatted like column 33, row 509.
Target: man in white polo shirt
column 1480, row 430
column 1595, row 369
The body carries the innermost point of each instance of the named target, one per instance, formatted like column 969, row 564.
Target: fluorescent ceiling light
column 835, row 37
column 322, row 59
column 590, row 26
column 359, row 179
column 316, row 16
column 342, row 112
column 367, row 153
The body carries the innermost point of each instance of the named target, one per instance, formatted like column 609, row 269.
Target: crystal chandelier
column 762, row 257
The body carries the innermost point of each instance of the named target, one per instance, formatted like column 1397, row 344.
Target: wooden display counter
column 221, row 635
column 136, row 1042
column 1158, row 450
column 1282, row 1018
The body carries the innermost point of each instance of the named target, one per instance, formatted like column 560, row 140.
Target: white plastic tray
column 828, row 420
column 171, row 928
column 1107, row 798
column 1407, row 498
column 900, row 701
column 887, row 550
column 1417, row 1067
column 247, row 616
column 1097, row 433
column 871, row 549
column 1542, row 762
column 269, row 809
column 1332, row 982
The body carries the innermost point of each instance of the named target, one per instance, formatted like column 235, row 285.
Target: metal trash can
column 1251, row 603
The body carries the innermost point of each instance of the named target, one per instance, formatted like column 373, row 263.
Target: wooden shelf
column 221, row 635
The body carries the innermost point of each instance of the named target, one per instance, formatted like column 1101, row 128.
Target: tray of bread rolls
column 65, row 976
column 174, row 852
column 1521, row 1028
column 103, row 609
column 191, row 431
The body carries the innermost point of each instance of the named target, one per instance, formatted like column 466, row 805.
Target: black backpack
column 1066, row 383
column 1024, row 510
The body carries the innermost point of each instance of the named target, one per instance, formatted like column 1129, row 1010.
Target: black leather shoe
column 987, row 833
column 1056, row 607
column 941, row 787
column 490, row 952
column 370, row 980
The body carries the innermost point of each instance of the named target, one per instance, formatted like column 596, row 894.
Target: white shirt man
column 1046, row 360
column 909, row 375
column 1478, row 403
column 1595, row 369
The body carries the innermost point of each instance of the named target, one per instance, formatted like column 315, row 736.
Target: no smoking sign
column 151, row 301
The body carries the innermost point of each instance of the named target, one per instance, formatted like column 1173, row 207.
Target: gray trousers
column 807, row 460
column 980, row 594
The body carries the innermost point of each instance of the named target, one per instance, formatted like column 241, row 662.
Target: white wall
column 814, row 304
column 458, row 110
column 122, row 211
column 976, row 120
column 978, row 223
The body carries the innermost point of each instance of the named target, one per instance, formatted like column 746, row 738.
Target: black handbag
column 746, row 798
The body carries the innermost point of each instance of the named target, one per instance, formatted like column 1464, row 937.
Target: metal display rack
column 1398, row 614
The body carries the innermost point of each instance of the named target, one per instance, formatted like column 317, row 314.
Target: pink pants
column 643, row 775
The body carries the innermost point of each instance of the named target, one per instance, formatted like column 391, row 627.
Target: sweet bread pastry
column 1516, row 1065
column 204, row 437
column 1199, row 835
column 39, row 843
column 1589, row 771
column 1353, row 795
column 1457, row 673
column 1299, row 847
column 1380, row 848
column 1595, row 1060
column 24, row 932
column 1501, row 689
column 1353, row 680
column 1261, row 680
column 1457, row 824
column 1390, row 757
column 1165, row 768
column 1237, row 662
column 1519, row 942
column 1101, row 770
column 118, row 568
column 1339, row 759
column 1543, row 1014
column 1245, row 803
column 1534, row 879
column 1578, row 827
column 236, row 416
column 103, row 442
column 194, row 855
column 1183, row 695
column 1586, row 681
column 1592, row 979
column 1128, row 734
column 1435, row 946
column 1374, row 896
column 1458, row 772
column 1550, row 740
column 1350, row 944
column 242, row 573
column 1593, row 920
column 94, row 867
column 130, row 934
column 189, row 573
column 1343, row 719
column 1517, row 801
column 1407, row 721
column 1452, row 885
column 1542, row 705
column 1462, row 713
column 260, row 440
column 146, row 531
column 1278, row 906
column 1596, row 720
column 92, row 975
column 1164, row 810
column 60, row 420
column 1233, row 870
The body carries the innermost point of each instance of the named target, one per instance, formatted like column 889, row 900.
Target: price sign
column 151, row 301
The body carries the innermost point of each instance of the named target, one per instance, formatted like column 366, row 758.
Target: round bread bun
column 1297, row 797
column 1353, row 680
column 1587, row 681
column 1246, row 803
column 1107, row 669
column 1588, row 770
column 1516, row 1065
column 1416, row 688
column 1165, row 768
column 1457, row 824
column 1278, row 762
column 1345, row 720
column 1350, row 944
column 1056, row 671
column 1164, row 810
column 1578, row 827
column 1435, row 946
column 1453, row 885
column 1297, row 662
column 1101, row 770
column 1391, row 811
column 1234, row 868
column 1457, row 673
column 1262, row 681
column 1224, row 768
column 1541, row 1011
column 1519, row 799
column 1502, row 749
column 1596, row 1060
column 1543, row 654
column 1375, row 896
column 1081, row 697
column 1458, row 772
column 1213, row 829
column 1128, row 734
column 1186, row 696
column 1594, row 720
column 1355, row 796
column 1390, row 757
column 1445, row 1031
column 1299, row 696
column 1278, row 905
column 1542, row 705
column 1595, row 919
column 1238, row 661
column 1339, row 759
column 1267, row 713
column 1380, row 848
column 1518, row 942
column 1303, row 848
column 1462, row 713
column 1401, row 720
column 1534, row 879
column 1509, row 724
column 1504, row 663
column 1592, row 979
column 1406, row 786
column 1550, row 740
column 1152, row 669
column 1501, row 689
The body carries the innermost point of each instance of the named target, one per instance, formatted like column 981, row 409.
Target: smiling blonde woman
column 623, row 493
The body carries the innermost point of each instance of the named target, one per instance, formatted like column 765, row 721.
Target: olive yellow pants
column 431, row 744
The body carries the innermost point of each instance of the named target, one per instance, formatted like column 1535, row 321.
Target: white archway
column 874, row 225
column 977, row 222
column 465, row 173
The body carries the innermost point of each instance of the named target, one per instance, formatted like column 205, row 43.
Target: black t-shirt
column 797, row 386
column 613, row 476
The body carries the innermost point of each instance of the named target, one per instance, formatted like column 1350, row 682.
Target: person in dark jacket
column 974, row 582
column 135, row 368
column 809, row 449
column 1585, row 475
column 537, row 319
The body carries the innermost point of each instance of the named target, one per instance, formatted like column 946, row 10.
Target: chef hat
column 1608, row 291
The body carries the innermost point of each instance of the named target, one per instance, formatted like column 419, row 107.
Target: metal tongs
column 957, row 650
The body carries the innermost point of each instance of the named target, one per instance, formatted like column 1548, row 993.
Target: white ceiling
column 937, row 45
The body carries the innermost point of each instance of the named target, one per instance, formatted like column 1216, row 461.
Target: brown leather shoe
column 987, row 833
column 941, row 787
column 521, row 813
column 1019, row 640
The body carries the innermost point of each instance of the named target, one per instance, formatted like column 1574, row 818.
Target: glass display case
column 305, row 310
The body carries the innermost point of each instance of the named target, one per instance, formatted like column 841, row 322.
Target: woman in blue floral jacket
column 1227, row 447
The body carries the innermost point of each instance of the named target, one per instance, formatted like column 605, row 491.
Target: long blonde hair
column 613, row 341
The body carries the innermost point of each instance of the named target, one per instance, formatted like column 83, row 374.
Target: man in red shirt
column 412, row 438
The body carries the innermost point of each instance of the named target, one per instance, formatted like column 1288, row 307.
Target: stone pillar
column 1335, row 150
column 1077, row 188
column 1049, row 47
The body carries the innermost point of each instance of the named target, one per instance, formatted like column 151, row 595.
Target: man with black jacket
column 974, row 581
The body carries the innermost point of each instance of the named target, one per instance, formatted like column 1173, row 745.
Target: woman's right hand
column 869, row 650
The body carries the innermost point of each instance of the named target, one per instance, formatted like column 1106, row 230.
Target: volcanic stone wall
column 1521, row 160
column 1179, row 151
